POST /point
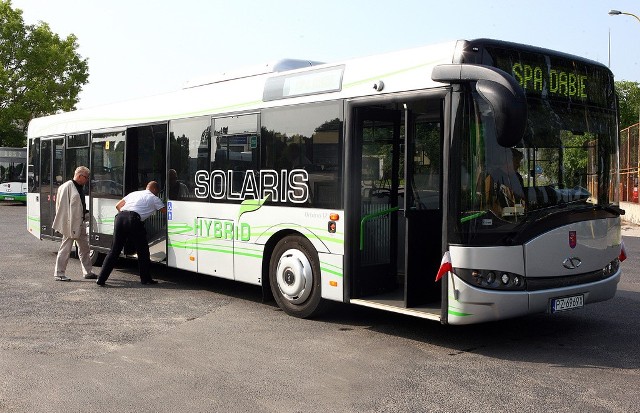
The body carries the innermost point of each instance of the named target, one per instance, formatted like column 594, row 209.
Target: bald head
column 153, row 187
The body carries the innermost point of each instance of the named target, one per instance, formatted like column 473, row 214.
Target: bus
column 370, row 181
column 13, row 174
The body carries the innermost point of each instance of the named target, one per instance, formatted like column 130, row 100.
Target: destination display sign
column 555, row 77
column 555, row 81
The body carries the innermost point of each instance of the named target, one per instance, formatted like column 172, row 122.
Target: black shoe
column 148, row 282
column 100, row 283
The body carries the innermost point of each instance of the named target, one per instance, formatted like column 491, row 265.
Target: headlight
column 492, row 279
column 611, row 268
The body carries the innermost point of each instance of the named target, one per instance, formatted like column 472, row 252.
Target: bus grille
column 536, row 284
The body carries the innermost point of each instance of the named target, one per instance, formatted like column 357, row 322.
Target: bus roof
column 400, row 71
column 277, row 84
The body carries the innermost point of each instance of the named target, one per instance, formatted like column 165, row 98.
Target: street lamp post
column 618, row 12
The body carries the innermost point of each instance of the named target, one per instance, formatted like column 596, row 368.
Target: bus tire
column 294, row 276
column 95, row 256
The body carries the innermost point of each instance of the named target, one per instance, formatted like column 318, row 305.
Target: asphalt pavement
column 630, row 229
column 195, row 343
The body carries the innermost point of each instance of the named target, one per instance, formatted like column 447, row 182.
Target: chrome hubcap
column 294, row 276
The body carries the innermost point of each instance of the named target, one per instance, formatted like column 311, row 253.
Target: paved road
column 199, row 344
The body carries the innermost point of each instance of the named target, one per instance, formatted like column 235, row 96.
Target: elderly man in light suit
column 69, row 221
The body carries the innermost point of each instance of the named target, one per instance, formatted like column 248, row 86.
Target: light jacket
column 69, row 213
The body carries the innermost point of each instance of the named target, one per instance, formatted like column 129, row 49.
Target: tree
column 40, row 73
column 629, row 100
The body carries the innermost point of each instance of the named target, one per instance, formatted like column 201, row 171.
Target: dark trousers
column 128, row 226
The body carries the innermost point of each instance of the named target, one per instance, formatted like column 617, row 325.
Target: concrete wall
column 631, row 212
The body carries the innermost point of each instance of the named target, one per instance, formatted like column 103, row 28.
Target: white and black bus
column 462, row 182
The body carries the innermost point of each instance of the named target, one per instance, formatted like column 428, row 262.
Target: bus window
column 189, row 141
column 146, row 156
column 425, row 184
column 77, row 154
column 234, row 152
column 107, row 165
column 308, row 138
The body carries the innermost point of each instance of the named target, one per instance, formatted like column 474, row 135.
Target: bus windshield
column 566, row 161
column 12, row 167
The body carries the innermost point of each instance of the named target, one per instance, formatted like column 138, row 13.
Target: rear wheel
column 294, row 275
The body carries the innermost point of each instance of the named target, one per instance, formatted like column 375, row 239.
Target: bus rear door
column 52, row 176
column 107, row 184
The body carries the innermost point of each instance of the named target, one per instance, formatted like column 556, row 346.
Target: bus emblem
column 572, row 263
column 572, row 239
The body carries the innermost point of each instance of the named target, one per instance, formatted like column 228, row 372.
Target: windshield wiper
column 613, row 208
column 543, row 213
column 539, row 215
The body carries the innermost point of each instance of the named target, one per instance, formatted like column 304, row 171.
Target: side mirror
column 499, row 89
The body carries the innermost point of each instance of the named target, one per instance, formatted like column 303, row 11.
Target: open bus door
column 422, row 205
column 123, row 161
column 146, row 160
column 377, row 150
column 52, row 175
column 107, row 184
column 396, row 196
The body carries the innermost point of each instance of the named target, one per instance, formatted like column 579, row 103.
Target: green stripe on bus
column 330, row 271
column 248, row 253
column 459, row 314
column 378, row 77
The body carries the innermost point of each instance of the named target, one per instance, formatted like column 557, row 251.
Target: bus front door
column 422, row 204
column 376, row 162
column 52, row 176
column 396, row 196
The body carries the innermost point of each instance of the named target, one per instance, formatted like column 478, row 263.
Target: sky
column 140, row 48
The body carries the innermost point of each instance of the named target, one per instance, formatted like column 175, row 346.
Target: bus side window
column 313, row 143
column 189, row 152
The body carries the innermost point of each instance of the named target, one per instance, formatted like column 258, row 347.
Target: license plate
column 567, row 303
column 8, row 198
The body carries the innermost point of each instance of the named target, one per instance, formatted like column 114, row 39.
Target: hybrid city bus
column 13, row 174
column 462, row 182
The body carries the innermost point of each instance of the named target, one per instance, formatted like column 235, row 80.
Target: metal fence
column 629, row 163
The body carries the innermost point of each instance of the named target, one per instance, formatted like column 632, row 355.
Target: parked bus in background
column 462, row 182
column 13, row 174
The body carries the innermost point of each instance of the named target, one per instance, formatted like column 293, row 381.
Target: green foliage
column 40, row 73
column 629, row 100
column 577, row 152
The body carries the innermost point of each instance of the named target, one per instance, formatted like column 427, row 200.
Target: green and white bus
column 13, row 174
column 369, row 181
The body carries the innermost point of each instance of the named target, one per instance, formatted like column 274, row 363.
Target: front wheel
column 96, row 257
column 294, row 275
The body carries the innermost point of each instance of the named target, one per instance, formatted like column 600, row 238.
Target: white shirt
column 144, row 202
